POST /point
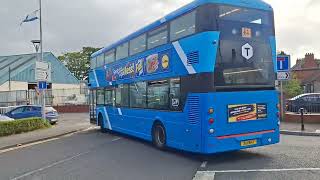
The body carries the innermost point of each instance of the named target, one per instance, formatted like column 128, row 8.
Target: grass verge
column 22, row 126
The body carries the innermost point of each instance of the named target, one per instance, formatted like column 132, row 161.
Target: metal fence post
column 302, row 121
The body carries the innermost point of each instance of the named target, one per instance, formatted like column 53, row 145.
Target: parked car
column 309, row 102
column 22, row 112
column 5, row 118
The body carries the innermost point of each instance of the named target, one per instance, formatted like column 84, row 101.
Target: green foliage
column 21, row 126
column 293, row 88
column 78, row 62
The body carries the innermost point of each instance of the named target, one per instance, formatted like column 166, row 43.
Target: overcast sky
column 71, row 24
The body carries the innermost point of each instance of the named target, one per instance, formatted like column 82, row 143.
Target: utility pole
column 41, row 51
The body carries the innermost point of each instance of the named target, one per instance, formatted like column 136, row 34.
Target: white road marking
column 203, row 175
column 116, row 139
column 204, row 164
column 54, row 164
column 19, row 146
column 262, row 170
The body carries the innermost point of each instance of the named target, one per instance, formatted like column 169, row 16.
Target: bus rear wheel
column 159, row 136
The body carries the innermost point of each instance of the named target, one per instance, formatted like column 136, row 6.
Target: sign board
column 247, row 51
column 42, row 85
column 283, row 76
column 283, row 63
column 43, row 71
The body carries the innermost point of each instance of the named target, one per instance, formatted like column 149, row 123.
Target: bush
column 21, row 126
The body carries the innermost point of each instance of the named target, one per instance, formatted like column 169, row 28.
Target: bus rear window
column 239, row 14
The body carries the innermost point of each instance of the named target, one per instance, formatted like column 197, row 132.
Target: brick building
column 307, row 71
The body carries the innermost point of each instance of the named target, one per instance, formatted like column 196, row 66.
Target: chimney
column 309, row 57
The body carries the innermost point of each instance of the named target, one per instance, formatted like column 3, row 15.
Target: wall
column 15, row 85
column 308, row 118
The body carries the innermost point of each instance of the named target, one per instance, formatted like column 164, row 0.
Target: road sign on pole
column 43, row 71
column 283, row 74
column 283, row 63
column 42, row 85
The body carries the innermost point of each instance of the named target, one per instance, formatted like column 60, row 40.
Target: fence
column 54, row 97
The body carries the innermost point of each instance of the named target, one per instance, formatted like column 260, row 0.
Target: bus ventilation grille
column 194, row 109
column 193, row 58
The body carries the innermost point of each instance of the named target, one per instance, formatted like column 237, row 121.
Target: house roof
column 22, row 69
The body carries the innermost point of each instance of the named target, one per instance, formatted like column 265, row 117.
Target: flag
column 31, row 17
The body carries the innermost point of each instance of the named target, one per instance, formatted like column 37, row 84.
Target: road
column 93, row 155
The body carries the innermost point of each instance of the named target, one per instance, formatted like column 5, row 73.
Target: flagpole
column 41, row 51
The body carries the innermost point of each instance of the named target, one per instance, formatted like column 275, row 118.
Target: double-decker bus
column 201, row 79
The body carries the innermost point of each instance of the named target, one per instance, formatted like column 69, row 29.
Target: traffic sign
column 42, row 85
column 43, row 71
column 283, row 76
column 283, row 63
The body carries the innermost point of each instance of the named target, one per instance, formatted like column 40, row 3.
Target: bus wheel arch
column 159, row 135
column 101, row 123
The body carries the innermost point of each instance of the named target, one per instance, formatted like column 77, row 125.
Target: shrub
column 21, row 126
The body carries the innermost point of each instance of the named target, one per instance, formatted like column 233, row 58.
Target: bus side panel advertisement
column 246, row 112
column 155, row 63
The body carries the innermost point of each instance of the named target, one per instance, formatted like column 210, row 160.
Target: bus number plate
column 249, row 142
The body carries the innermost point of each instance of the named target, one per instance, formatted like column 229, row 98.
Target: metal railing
column 54, row 97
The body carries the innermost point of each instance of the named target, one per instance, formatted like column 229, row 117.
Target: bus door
column 92, row 106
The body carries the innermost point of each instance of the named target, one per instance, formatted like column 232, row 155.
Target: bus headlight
column 211, row 131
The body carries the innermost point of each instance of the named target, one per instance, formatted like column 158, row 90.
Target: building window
column 122, row 95
column 109, row 57
column 100, row 60
column 158, row 37
column 175, row 96
column 122, row 51
column 138, row 95
column 109, row 100
column 100, row 97
column 183, row 26
column 158, row 95
column 138, row 44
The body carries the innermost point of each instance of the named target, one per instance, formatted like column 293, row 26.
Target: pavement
column 67, row 123
column 291, row 128
column 97, row 156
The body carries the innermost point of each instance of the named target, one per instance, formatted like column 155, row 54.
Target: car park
column 29, row 111
column 309, row 102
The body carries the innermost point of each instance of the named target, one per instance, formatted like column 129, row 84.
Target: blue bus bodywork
column 189, row 129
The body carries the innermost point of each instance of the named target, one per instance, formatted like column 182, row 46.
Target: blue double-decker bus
column 201, row 79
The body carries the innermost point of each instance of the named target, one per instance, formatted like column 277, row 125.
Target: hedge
column 21, row 126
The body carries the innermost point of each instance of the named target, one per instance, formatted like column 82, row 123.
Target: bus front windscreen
column 244, row 57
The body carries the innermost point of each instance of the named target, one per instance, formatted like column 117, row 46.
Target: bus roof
column 257, row 4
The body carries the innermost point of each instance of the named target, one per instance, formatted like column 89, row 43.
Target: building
column 307, row 71
column 17, row 72
column 18, row 83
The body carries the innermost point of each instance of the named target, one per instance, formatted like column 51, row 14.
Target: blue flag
column 31, row 17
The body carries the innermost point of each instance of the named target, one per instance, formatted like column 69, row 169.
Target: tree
column 293, row 88
column 78, row 63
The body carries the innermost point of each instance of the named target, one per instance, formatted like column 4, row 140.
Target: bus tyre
column 159, row 136
column 101, row 124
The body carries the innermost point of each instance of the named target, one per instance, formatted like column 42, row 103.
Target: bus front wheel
column 159, row 136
